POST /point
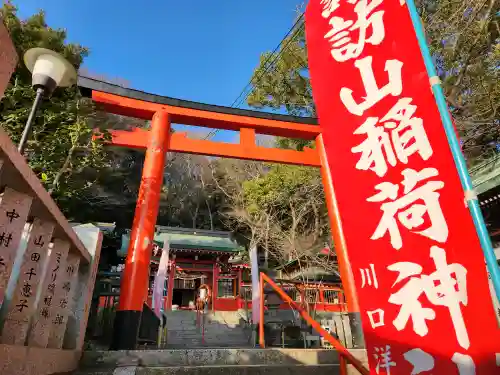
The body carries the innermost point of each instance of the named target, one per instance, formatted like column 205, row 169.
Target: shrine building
column 214, row 258
column 196, row 257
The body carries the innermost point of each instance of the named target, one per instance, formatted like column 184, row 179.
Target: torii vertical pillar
column 135, row 280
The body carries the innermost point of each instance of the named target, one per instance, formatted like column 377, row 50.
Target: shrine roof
column 199, row 242
column 183, row 239
column 105, row 227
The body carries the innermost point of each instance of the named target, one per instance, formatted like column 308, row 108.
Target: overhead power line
column 268, row 68
column 273, row 55
column 267, row 65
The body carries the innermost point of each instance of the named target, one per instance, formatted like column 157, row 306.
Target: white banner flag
column 159, row 284
column 254, row 263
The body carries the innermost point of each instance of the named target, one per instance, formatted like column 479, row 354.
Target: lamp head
column 49, row 69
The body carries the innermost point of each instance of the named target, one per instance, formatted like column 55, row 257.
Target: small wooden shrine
column 196, row 257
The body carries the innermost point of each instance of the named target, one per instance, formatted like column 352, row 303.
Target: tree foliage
column 190, row 197
column 61, row 149
column 464, row 39
column 278, row 208
column 284, row 82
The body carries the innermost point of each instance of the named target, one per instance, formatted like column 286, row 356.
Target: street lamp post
column 48, row 71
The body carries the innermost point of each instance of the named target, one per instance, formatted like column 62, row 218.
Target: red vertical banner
column 419, row 269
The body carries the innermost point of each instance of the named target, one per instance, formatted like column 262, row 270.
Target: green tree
column 61, row 149
column 285, row 204
column 281, row 82
column 190, row 198
column 464, row 39
column 278, row 208
column 291, row 201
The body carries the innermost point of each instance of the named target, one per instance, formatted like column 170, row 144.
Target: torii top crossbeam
column 141, row 105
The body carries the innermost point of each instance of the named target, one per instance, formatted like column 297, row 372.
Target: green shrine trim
column 189, row 239
column 486, row 176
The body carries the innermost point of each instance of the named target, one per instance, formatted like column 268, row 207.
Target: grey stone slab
column 128, row 370
column 242, row 370
column 214, row 356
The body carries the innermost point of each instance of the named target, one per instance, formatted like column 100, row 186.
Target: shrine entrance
column 158, row 140
column 186, row 285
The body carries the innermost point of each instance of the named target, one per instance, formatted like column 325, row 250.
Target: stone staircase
column 222, row 330
column 215, row 361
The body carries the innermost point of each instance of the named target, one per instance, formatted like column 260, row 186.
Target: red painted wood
column 135, row 279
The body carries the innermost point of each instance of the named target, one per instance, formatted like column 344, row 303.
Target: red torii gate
column 157, row 141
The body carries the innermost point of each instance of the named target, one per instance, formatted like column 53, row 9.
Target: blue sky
column 200, row 50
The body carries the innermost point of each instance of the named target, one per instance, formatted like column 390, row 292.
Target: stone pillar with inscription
column 45, row 315
column 8, row 58
column 91, row 237
column 64, row 301
column 14, row 210
column 22, row 305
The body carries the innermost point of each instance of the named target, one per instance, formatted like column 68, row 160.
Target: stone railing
column 47, row 274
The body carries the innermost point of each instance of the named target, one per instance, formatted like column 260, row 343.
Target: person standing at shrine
column 203, row 299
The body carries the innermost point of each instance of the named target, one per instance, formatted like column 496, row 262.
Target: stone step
column 214, row 357
column 220, row 329
column 208, row 328
column 218, row 316
column 172, row 335
column 196, row 333
column 219, row 339
column 242, row 370
column 207, row 345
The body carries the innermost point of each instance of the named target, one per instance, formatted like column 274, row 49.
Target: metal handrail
column 200, row 322
column 345, row 355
